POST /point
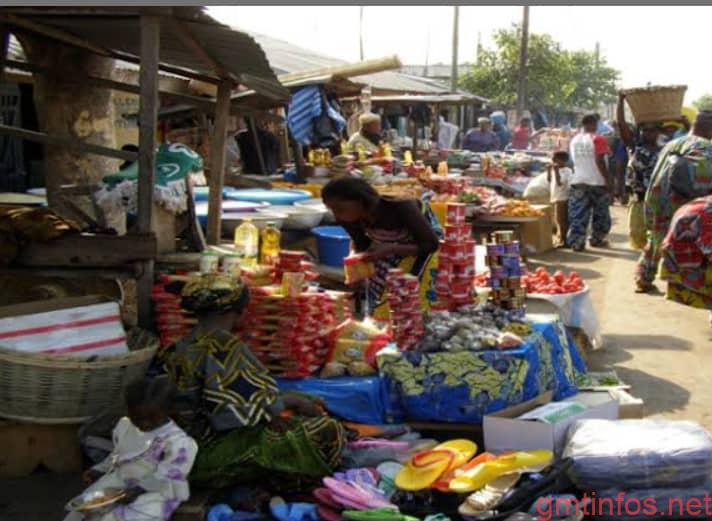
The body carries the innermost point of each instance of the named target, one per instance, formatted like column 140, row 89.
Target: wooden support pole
column 4, row 49
column 217, row 161
column 258, row 147
column 148, row 116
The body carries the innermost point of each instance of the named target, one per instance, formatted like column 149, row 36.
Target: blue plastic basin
column 332, row 244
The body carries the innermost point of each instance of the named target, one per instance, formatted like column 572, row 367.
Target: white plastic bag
column 576, row 310
column 638, row 454
column 538, row 191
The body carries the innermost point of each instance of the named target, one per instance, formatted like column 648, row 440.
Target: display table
column 464, row 386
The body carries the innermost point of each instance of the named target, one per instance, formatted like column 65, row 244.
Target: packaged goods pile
column 288, row 333
column 405, row 313
column 456, row 262
column 172, row 321
column 353, row 348
column 505, row 265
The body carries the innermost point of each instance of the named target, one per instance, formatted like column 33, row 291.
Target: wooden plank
column 80, row 146
column 217, row 161
column 90, row 251
column 148, row 117
column 258, row 147
column 129, row 272
column 194, row 229
column 4, row 49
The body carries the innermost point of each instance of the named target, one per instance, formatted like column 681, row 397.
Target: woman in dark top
column 393, row 233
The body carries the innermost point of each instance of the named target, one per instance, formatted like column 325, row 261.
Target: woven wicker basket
column 654, row 104
column 61, row 389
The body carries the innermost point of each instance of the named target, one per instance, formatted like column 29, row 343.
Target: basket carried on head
column 654, row 104
column 53, row 389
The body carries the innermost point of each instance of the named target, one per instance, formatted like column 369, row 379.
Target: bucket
column 333, row 244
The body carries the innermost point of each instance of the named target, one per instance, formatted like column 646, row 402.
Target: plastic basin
column 275, row 197
column 332, row 244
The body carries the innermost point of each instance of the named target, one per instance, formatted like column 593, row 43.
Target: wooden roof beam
column 189, row 40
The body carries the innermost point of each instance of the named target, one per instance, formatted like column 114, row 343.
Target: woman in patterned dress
column 687, row 255
column 394, row 233
column 683, row 172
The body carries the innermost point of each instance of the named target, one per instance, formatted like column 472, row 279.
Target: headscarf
column 368, row 117
column 213, row 293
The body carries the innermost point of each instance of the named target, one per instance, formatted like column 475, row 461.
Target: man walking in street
column 590, row 188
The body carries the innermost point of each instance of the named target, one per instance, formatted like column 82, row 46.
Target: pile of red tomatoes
column 541, row 281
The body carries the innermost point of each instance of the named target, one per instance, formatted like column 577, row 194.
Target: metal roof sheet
column 117, row 30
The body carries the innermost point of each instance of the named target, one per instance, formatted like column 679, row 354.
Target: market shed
column 181, row 41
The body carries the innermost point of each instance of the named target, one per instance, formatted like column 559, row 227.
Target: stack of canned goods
column 506, row 270
column 405, row 311
column 456, row 262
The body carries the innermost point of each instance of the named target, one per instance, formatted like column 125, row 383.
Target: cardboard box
column 629, row 407
column 538, row 236
column 519, row 428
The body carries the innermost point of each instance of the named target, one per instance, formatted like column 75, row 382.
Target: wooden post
column 148, row 115
column 217, row 161
column 4, row 49
column 258, row 147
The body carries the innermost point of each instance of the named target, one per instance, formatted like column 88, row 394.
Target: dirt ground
column 660, row 348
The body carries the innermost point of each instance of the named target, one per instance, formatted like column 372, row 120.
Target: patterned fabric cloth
column 212, row 292
column 304, row 108
column 221, row 381
column 687, row 251
column 160, row 468
column 692, row 174
column 465, row 386
column 307, row 450
column 641, row 167
column 588, row 204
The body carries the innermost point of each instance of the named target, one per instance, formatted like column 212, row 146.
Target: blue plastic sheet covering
column 355, row 399
column 465, row 386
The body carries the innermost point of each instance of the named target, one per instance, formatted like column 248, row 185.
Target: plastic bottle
column 247, row 238
column 269, row 251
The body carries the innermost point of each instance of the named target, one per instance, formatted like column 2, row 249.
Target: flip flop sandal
column 328, row 514
column 380, row 514
column 480, row 475
column 443, row 483
column 355, row 496
column 324, row 497
column 489, row 496
column 424, row 469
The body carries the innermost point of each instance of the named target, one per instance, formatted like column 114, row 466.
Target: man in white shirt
column 590, row 194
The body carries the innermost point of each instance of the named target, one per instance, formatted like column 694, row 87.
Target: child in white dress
column 559, row 175
column 151, row 460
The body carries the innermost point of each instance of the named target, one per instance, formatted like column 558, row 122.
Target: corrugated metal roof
column 236, row 52
column 286, row 58
column 445, row 99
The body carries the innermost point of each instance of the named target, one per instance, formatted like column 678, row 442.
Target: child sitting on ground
column 151, row 459
column 559, row 176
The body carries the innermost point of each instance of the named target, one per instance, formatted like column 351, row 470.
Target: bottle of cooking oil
column 247, row 238
column 269, row 251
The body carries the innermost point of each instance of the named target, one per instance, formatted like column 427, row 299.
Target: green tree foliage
column 704, row 102
column 559, row 80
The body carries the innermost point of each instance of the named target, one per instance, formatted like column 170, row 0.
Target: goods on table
column 446, row 184
column 542, row 282
column 400, row 190
column 505, row 265
column 293, row 262
column 312, row 188
column 172, row 321
column 516, row 208
column 357, row 268
column 404, row 303
column 637, row 454
column 353, row 349
column 470, row 328
column 456, row 262
column 287, row 333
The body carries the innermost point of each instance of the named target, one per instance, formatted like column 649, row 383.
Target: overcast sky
column 658, row 44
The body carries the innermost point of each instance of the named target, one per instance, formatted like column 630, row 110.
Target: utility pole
column 479, row 48
column 455, row 41
column 360, row 31
column 597, row 54
column 427, row 53
column 523, row 58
